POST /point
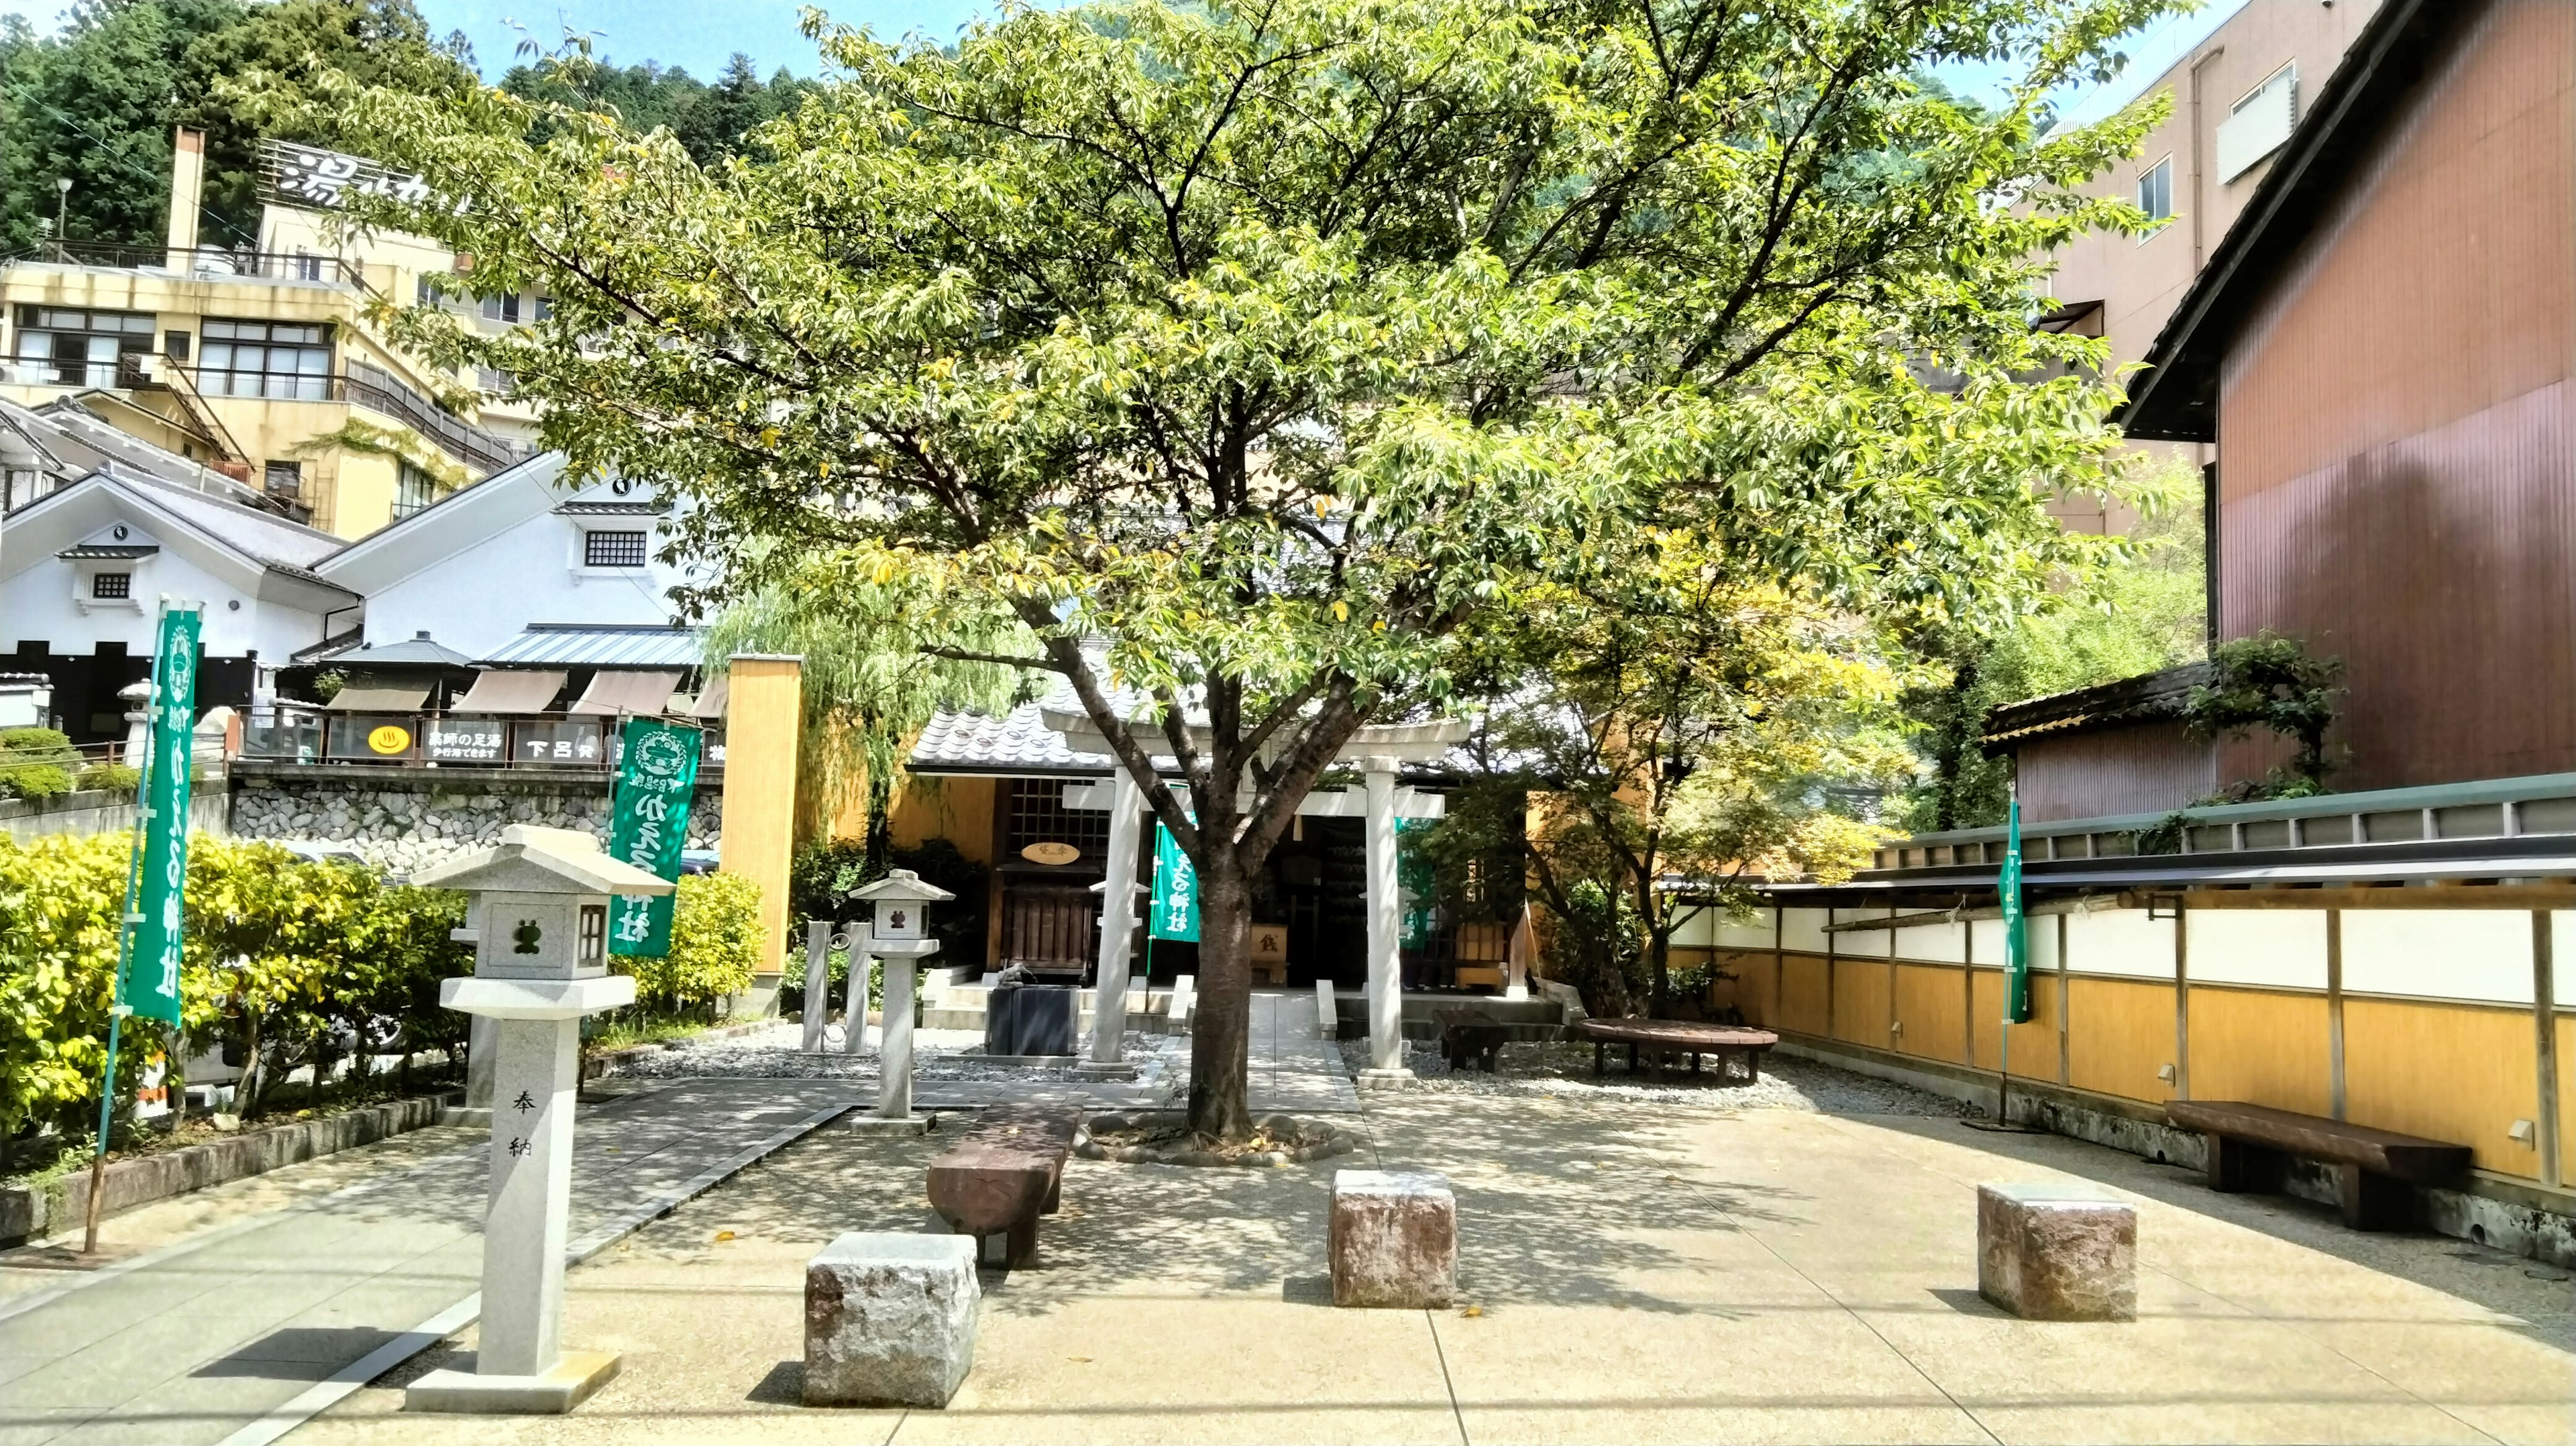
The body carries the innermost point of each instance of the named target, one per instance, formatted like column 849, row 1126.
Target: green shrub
column 36, row 763
column 715, row 946
column 114, row 777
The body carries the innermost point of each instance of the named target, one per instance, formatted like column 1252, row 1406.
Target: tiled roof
column 601, row 645
column 264, row 537
column 964, row 741
column 2128, row 700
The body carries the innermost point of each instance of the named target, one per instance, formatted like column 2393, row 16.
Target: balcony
column 298, row 733
column 203, row 263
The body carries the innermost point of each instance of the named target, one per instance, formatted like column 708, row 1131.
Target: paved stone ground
column 225, row 1304
column 1637, row 1272
column 1563, row 1070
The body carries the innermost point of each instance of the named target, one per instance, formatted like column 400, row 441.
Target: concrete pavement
column 1638, row 1273
column 235, row 1302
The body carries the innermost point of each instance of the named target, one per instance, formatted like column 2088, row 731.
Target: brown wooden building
column 2381, row 347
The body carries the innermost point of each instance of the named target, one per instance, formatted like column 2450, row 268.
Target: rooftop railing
column 295, row 733
column 208, row 263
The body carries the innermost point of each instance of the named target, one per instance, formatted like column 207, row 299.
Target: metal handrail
column 212, row 263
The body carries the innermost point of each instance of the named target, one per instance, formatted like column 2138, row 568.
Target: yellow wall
column 1932, row 1004
column 1861, row 1002
column 959, row 810
column 2120, row 1032
column 2034, row 1043
column 1802, row 994
column 2262, row 1046
column 2458, row 1073
column 2567, row 1099
column 763, row 713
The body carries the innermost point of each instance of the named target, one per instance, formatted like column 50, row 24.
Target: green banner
column 1175, row 912
column 151, row 983
column 2016, row 935
column 657, row 775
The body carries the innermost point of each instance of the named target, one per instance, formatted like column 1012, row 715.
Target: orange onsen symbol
column 391, row 738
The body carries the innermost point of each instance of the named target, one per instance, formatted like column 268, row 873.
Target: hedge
column 293, row 961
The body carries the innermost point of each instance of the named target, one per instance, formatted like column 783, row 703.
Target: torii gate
column 1378, row 750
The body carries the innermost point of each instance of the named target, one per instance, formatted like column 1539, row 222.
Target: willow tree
column 1245, row 353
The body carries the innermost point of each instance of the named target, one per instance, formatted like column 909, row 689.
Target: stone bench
column 890, row 1319
column 1006, row 1172
column 1393, row 1239
column 2057, row 1251
column 2250, row 1147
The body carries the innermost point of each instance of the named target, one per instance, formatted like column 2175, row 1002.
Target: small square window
column 284, row 479
column 612, row 549
column 2155, row 190
column 111, row 586
column 501, row 308
column 594, row 933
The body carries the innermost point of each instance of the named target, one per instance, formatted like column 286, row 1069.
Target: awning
column 374, row 697
column 502, row 690
column 646, row 693
column 710, row 707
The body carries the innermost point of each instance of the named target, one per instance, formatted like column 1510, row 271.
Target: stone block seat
column 1005, row 1173
column 1739, row 1049
column 2250, row 1147
column 1393, row 1239
column 2057, row 1251
column 890, row 1319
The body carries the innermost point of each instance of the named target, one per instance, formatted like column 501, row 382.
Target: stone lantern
column 537, row 915
column 899, row 935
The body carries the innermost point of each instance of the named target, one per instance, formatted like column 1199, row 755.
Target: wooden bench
column 2250, row 1147
column 1008, row 1171
column 1471, row 1035
column 1661, row 1039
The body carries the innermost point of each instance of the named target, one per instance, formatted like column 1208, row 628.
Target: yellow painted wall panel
column 959, row 810
column 1932, row 1004
column 2120, row 1032
column 1749, row 989
column 2566, row 1098
column 2458, row 1073
column 1860, row 1001
column 2262, row 1046
column 2034, row 1044
column 763, row 715
column 1802, row 994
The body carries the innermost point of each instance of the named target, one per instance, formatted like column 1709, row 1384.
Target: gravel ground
column 1564, row 1071
column 773, row 1054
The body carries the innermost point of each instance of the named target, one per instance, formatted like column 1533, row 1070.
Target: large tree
column 1246, row 354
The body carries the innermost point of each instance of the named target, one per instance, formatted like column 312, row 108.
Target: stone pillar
column 530, row 1211
column 1117, row 930
column 894, row 1049
column 482, row 1049
column 854, row 1034
column 818, row 986
column 1385, row 926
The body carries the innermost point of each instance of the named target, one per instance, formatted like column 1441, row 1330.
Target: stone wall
column 406, row 820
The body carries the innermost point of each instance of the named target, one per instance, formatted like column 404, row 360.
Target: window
column 174, row 345
column 2155, row 190
column 276, row 359
column 545, row 307
column 594, row 934
column 501, row 308
column 414, row 489
column 111, row 586
column 496, row 383
column 284, row 479
column 66, row 347
column 612, row 549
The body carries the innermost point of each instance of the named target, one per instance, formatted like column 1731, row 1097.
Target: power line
column 110, row 151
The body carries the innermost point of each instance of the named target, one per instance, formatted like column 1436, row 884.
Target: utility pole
column 62, row 205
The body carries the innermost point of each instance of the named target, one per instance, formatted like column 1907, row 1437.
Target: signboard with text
column 1175, row 911
column 151, row 985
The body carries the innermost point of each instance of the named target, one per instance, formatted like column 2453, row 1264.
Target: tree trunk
column 1221, row 1031
column 246, row 1091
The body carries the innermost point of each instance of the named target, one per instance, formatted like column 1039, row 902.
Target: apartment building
column 260, row 362
column 2238, row 72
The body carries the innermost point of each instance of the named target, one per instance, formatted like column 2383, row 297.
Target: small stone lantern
column 899, row 937
column 537, row 915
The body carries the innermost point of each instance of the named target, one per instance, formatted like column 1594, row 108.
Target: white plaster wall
column 2120, row 941
column 2041, row 931
column 1726, row 933
column 2266, row 948
column 2562, row 957
column 1804, row 931
column 2481, row 954
column 1931, row 943
column 1986, row 939
column 38, row 604
column 480, row 598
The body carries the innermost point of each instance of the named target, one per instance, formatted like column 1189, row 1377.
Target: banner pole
column 2016, row 962
column 126, row 919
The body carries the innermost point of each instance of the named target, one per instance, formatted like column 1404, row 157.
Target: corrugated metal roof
column 581, row 645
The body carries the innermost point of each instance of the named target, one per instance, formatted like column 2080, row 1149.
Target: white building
column 84, row 566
